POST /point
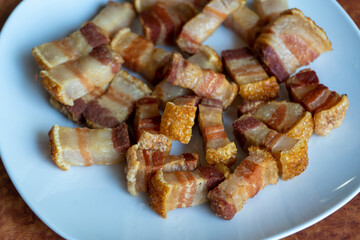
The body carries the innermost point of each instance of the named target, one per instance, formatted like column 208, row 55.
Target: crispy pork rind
column 289, row 42
column 71, row 80
column 177, row 122
column 200, row 27
column 252, row 175
column 327, row 120
column 303, row 128
column 261, row 90
column 291, row 154
column 118, row 102
column 83, row 146
column 158, row 142
column 204, row 82
column 139, row 54
column 294, row 161
column 223, row 168
column 218, row 147
column 182, row 189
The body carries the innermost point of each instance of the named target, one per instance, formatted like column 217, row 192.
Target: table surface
column 17, row 221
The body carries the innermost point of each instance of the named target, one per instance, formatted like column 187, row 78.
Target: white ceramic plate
column 92, row 203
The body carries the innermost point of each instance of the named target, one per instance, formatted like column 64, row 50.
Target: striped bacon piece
column 79, row 43
column 328, row 107
column 200, row 27
column 84, row 147
column 147, row 117
column 146, row 5
column 206, row 58
column 289, row 42
column 246, row 23
column 139, row 54
column 118, row 102
column 91, row 34
column 291, row 154
column 115, row 16
column 253, row 81
column 284, row 117
column 71, row 80
column 218, row 147
column 76, row 112
column 270, row 9
column 252, row 175
column 181, row 189
column 151, row 149
column 204, row 82
column 177, row 120
column 142, row 165
column 187, row 100
column 164, row 21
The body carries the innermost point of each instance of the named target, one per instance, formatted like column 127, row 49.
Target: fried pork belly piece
column 163, row 22
column 218, row 147
column 249, row 106
column 284, row 117
column 167, row 92
column 200, row 27
column 150, row 154
column 253, row 81
column 246, row 23
column 79, row 43
column 147, row 117
column 84, row 147
column 146, row 5
column 253, row 174
column 270, row 9
column 118, row 102
column 289, row 42
column 206, row 58
column 115, row 16
column 328, row 107
column 223, row 168
column 181, row 189
column 291, row 154
column 204, row 82
column 154, row 141
column 91, row 34
column 139, row 54
column 76, row 112
column 71, row 80
column 178, row 119
column 142, row 165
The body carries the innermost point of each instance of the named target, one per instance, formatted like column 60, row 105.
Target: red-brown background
column 17, row 221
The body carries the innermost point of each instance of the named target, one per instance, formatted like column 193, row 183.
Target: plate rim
column 283, row 234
